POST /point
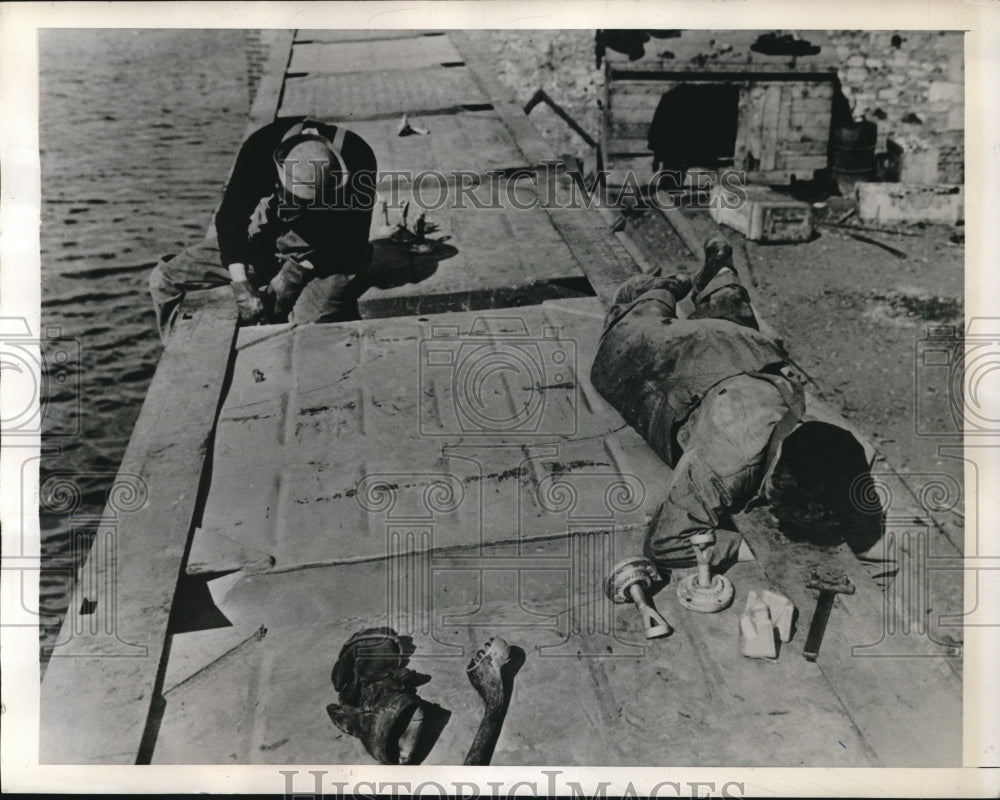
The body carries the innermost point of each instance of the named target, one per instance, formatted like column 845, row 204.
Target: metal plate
column 496, row 255
column 380, row 93
column 485, row 412
column 590, row 690
column 401, row 54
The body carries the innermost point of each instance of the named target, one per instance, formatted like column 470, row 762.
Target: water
column 138, row 129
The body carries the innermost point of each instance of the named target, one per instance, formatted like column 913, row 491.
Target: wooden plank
column 784, row 111
column 603, row 260
column 640, row 92
column 591, row 692
column 637, row 128
column 803, row 106
column 770, row 115
column 802, row 163
column 115, row 672
column 720, row 72
column 365, row 35
column 814, row 147
column 501, row 251
column 687, row 233
column 744, row 113
column 460, row 142
column 907, row 707
column 396, row 412
column 529, row 140
column 105, row 674
column 380, row 93
column 398, row 54
column 621, row 145
column 272, row 80
column 632, row 108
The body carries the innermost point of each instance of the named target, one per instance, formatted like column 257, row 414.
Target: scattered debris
column 845, row 216
column 258, row 376
column 927, row 307
column 541, row 96
column 406, row 129
column 910, row 202
column 766, row 620
column 870, row 229
column 886, row 247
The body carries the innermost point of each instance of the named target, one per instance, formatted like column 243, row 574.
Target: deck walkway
column 455, row 475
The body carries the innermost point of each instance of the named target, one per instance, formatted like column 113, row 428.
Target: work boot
column 678, row 285
column 718, row 256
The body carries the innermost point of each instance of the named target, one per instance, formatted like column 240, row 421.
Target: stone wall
column 910, row 83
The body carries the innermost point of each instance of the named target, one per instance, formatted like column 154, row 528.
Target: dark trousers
column 325, row 298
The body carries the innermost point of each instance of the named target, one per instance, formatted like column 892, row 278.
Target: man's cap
column 306, row 162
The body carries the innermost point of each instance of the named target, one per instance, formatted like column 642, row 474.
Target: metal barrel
column 854, row 150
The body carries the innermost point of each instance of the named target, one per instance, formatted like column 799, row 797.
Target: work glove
column 287, row 285
column 249, row 303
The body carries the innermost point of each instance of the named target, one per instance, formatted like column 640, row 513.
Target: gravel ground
column 853, row 315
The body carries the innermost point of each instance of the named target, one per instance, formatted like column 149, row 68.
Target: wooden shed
column 721, row 103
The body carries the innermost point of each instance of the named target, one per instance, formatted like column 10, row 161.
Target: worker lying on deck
column 718, row 402
column 291, row 231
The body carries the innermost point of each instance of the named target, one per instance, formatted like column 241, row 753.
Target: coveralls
column 706, row 394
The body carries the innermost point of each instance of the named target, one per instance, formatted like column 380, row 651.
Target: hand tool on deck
column 629, row 582
column 406, row 128
column 420, row 244
column 828, row 589
column 703, row 591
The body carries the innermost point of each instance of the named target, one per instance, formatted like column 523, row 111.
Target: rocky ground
column 853, row 315
column 856, row 318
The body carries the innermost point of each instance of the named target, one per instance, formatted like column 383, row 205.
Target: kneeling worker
column 291, row 232
column 719, row 403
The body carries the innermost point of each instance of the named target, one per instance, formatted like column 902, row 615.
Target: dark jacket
column 250, row 227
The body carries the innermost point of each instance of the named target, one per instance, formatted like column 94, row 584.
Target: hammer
column 828, row 590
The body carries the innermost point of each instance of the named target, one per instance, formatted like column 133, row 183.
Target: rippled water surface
column 137, row 133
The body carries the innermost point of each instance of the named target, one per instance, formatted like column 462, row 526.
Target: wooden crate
column 760, row 214
column 783, row 125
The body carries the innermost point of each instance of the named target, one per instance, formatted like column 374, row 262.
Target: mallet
column 828, row 589
column 629, row 582
column 703, row 591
